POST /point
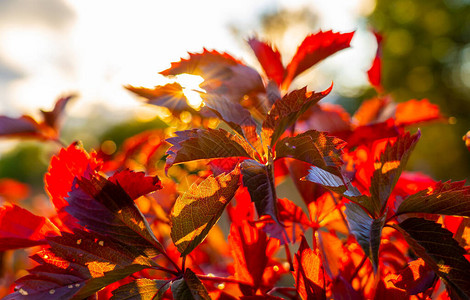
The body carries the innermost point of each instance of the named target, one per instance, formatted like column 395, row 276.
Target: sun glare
column 191, row 89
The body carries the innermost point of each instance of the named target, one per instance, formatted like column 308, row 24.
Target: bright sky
column 94, row 47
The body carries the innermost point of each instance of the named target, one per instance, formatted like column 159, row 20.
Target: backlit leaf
column 222, row 74
column 258, row 178
column 416, row 111
column 440, row 251
column 366, row 230
column 198, row 144
column 78, row 264
column 234, row 114
column 136, row 184
column 21, row 229
column 140, row 289
column 313, row 147
column 314, row 49
column 286, row 111
column 448, row 198
column 248, row 246
column 375, row 71
column 308, row 272
column 269, row 58
column 416, row 278
column 51, row 118
column 169, row 95
column 197, row 210
column 12, row 190
column 388, row 169
column 189, row 287
column 19, row 127
column 104, row 207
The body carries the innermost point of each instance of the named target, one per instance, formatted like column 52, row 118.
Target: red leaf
column 248, row 246
column 222, row 74
column 199, row 144
column 136, row 184
column 374, row 110
column 20, row 229
column 259, row 180
column 52, row 117
column 416, row 278
column 375, row 70
column 286, row 111
column 270, row 60
column 170, row 96
column 308, row 272
column 12, row 190
column 104, row 207
column 416, row 111
column 313, row 49
column 71, row 162
column 466, row 139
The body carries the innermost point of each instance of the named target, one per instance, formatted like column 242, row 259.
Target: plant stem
column 358, row 268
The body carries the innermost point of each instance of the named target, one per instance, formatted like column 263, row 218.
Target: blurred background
column 49, row 48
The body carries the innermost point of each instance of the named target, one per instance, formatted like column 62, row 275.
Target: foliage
column 371, row 230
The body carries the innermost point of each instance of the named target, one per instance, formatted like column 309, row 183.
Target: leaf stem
column 221, row 279
column 184, row 263
column 178, row 270
column 358, row 268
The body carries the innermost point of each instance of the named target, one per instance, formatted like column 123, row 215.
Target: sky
column 49, row 48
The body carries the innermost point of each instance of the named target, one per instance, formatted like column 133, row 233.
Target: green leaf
column 197, row 210
column 388, row 169
column 103, row 206
column 448, row 198
column 366, row 230
column 313, row 147
column 440, row 251
column 140, row 289
column 198, row 144
column 258, row 178
column 286, row 111
column 189, row 288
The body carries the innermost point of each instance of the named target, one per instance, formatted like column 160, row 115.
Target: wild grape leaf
column 19, row 127
column 169, row 95
column 196, row 211
column 71, row 162
column 140, row 289
column 294, row 222
column 368, row 134
column 440, row 251
column 313, row 49
column 189, row 287
column 448, row 198
column 248, row 247
column 136, row 184
column 198, row 144
column 338, row 185
column 286, row 111
column 374, row 110
column 258, row 178
column 375, row 71
column 12, row 190
column 388, row 169
column 79, row 264
column 104, row 207
column 416, row 278
column 26, row 126
column 51, row 118
column 416, row 111
column 366, row 230
column 269, row 58
column 222, row 74
column 20, row 229
column 308, row 272
column 313, row 147
column 234, row 114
